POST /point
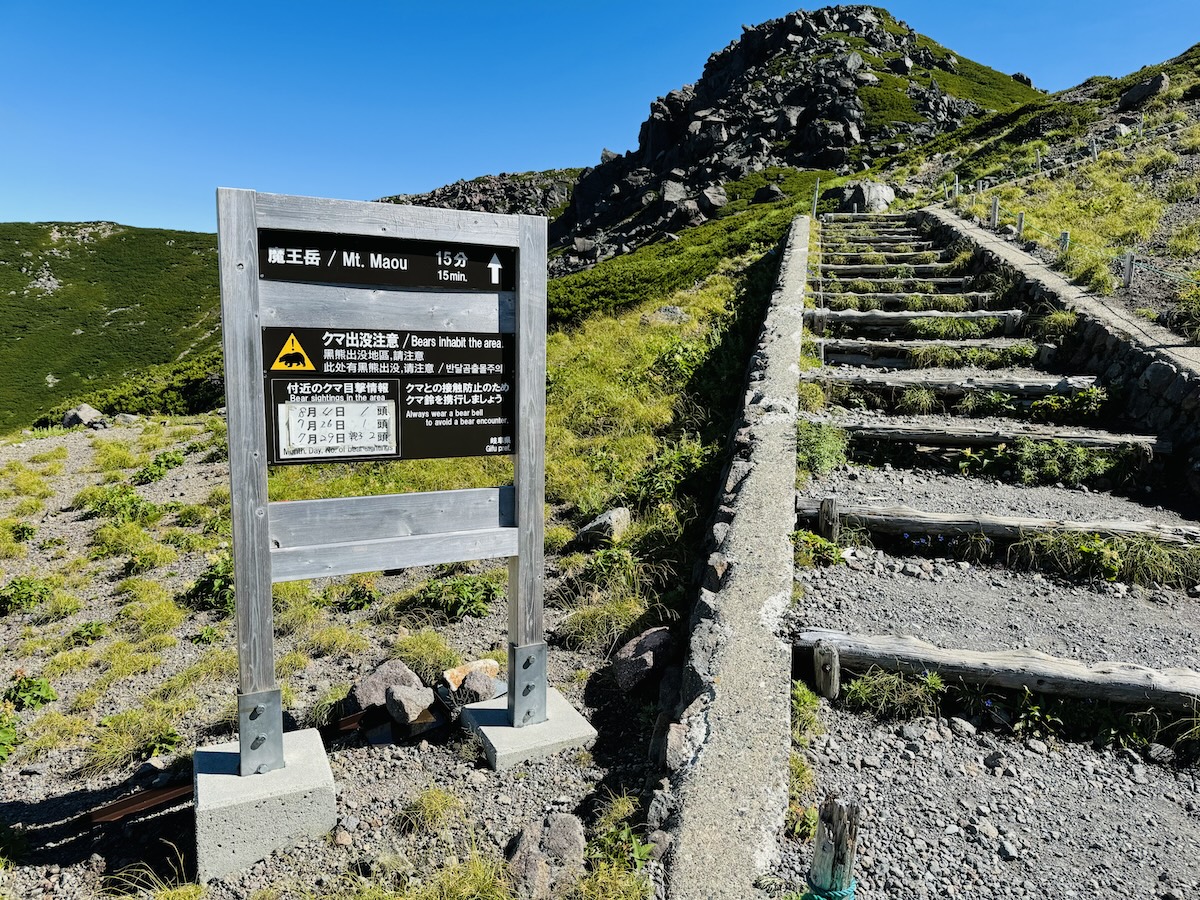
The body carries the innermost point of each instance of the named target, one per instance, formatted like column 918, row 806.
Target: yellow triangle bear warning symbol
column 293, row 357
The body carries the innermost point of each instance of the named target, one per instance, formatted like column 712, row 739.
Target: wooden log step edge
column 976, row 300
column 893, row 317
column 872, row 240
column 951, row 385
column 905, row 345
column 1012, row 669
column 865, row 216
column 907, row 520
column 884, row 271
column 942, row 434
column 936, row 280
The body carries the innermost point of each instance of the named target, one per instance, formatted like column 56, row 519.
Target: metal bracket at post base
column 260, row 732
column 526, row 684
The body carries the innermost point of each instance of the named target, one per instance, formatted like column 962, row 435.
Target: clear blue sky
column 136, row 112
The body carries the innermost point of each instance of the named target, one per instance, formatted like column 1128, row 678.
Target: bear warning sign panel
column 292, row 357
column 338, row 395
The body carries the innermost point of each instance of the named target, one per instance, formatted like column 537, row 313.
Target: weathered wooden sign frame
column 274, row 542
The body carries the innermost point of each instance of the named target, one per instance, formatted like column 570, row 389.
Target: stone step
column 1014, row 670
column 894, row 301
column 953, row 285
column 1021, row 384
column 898, row 354
column 876, row 271
column 860, row 241
column 864, row 217
column 820, row 319
column 935, row 431
column 853, row 257
column 904, row 234
column 907, row 520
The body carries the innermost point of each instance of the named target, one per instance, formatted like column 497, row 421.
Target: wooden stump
column 832, row 871
column 829, row 522
column 827, row 670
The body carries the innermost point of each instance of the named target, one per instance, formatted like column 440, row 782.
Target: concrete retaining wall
column 727, row 743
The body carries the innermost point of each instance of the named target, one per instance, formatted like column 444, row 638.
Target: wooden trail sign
column 370, row 331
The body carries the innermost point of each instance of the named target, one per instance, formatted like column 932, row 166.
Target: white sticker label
column 331, row 430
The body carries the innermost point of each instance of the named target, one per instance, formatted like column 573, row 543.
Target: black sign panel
column 339, row 395
column 323, row 258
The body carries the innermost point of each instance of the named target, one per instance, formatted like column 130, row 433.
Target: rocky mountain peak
column 834, row 88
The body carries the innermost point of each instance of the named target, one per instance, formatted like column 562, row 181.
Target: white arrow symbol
column 495, row 266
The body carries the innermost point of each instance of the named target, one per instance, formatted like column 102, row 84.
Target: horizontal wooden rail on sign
column 352, row 557
column 300, row 523
column 1012, row 669
column 294, row 304
column 385, row 220
column 906, row 520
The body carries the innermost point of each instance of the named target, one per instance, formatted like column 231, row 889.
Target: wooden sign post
column 370, row 331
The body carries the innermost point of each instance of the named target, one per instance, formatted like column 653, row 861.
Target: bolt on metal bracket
column 260, row 732
column 527, row 684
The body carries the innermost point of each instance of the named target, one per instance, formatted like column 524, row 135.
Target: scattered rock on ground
column 646, row 653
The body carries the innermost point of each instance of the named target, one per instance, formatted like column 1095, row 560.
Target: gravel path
column 951, row 809
column 951, row 812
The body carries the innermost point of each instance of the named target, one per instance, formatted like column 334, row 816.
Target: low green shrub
column 949, row 328
column 459, row 596
column 892, row 695
column 805, row 719
column 119, row 503
column 28, row 691
column 84, row 635
column 130, row 736
column 1056, row 325
column 917, row 400
column 213, row 589
column 426, row 653
column 1048, row 462
column 1078, row 408
column 24, row 592
column 820, row 448
column 813, row 550
column 1088, row 557
column 10, row 736
column 357, row 592
column 810, row 397
column 158, row 467
column 800, row 821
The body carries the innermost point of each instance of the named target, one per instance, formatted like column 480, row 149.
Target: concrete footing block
column 240, row 820
column 507, row 746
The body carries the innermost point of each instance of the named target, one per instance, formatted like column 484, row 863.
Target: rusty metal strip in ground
column 142, row 801
column 156, row 798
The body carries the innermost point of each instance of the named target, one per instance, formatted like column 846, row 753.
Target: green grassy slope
column 84, row 305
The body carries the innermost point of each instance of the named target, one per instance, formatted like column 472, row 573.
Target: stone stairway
column 932, row 423
column 895, row 321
